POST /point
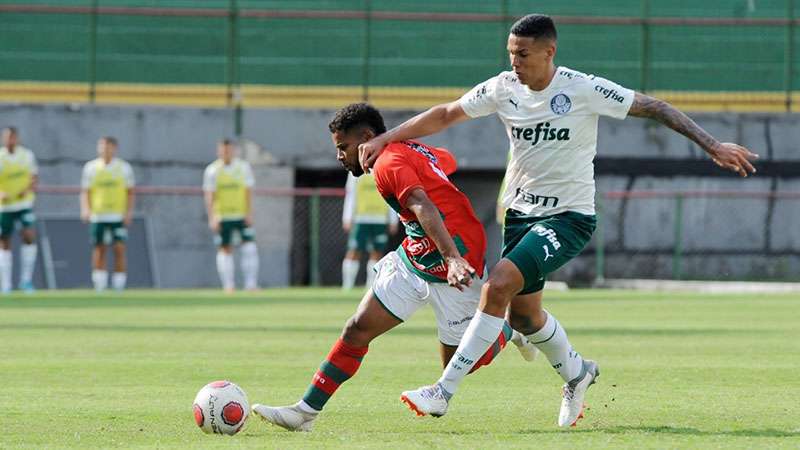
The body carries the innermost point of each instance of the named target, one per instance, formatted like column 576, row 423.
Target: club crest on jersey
column 560, row 104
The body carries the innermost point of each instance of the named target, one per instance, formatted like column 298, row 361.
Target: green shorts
column 368, row 237
column 8, row 221
column 540, row 245
column 104, row 233
column 233, row 232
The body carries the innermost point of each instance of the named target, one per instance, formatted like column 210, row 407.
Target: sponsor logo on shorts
column 547, row 254
column 548, row 234
column 455, row 323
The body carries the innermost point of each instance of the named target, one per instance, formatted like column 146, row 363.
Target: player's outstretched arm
column 459, row 272
column 725, row 154
column 426, row 123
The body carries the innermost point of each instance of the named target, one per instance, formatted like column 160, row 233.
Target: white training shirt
column 552, row 134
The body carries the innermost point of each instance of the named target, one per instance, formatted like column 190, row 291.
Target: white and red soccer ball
column 221, row 407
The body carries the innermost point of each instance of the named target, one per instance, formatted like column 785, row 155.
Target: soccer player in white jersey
column 19, row 175
column 107, row 199
column 550, row 114
column 227, row 183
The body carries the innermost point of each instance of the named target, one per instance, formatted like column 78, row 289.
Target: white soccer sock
column 118, row 280
column 225, row 269
column 349, row 272
column 552, row 341
column 250, row 265
column 371, row 272
column 100, row 279
column 481, row 333
column 6, row 265
column 28, row 260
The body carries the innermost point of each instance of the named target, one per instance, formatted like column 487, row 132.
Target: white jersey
column 552, row 134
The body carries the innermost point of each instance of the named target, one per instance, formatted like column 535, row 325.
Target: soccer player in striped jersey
column 107, row 199
column 441, row 262
column 227, row 183
column 19, row 175
column 550, row 114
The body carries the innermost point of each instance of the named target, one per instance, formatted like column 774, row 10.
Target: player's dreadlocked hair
column 537, row 26
column 357, row 115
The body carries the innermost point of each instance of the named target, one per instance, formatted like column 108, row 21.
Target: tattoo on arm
column 661, row 111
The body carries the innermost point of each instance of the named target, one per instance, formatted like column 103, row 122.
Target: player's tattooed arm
column 726, row 155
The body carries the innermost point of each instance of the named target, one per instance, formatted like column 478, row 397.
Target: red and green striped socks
column 341, row 364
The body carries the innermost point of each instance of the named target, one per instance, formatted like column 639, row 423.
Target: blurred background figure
column 227, row 184
column 107, row 200
column 365, row 218
column 18, row 178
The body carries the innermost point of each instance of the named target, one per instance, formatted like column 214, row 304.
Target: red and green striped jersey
column 408, row 165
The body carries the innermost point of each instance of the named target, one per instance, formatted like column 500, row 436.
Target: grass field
column 678, row 371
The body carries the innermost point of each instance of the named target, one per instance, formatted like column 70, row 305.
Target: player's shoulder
column 504, row 81
column 214, row 166
column 91, row 164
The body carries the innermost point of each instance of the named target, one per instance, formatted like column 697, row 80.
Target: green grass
column 678, row 371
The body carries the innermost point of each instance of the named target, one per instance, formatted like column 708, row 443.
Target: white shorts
column 402, row 293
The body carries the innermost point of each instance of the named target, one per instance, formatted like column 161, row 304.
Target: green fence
column 716, row 45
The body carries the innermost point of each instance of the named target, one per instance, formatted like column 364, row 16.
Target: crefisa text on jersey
column 541, row 131
column 609, row 93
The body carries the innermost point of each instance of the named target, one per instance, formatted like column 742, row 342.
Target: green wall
column 57, row 47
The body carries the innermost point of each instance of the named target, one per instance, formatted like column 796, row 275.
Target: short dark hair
column 357, row 115
column 226, row 141
column 11, row 130
column 537, row 26
column 110, row 139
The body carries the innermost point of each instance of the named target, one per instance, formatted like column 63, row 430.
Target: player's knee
column 356, row 332
column 499, row 289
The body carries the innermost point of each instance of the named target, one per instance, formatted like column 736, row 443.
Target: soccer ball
column 221, row 407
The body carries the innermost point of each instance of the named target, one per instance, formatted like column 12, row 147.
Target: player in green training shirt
column 227, row 183
column 365, row 217
column 107, row 204
column 18, row 178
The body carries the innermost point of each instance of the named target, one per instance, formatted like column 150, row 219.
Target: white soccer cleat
column 288, row 417
column 426, row 400
column 525, row 347
column 573, row 393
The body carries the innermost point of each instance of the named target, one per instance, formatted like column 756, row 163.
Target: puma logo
column 547, row 254
column 516, row 104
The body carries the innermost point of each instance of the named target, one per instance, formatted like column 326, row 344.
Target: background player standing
column 18, row 179
column 107, row 200
column 365, row 217
column 227, row 183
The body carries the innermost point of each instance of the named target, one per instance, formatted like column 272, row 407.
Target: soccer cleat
column 573, row 393
column 426, row 400
column 288, row 417
column 525, row 347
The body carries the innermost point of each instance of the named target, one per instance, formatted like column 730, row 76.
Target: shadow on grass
column 120, row 328
column 624, row 429
column 403, row 329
